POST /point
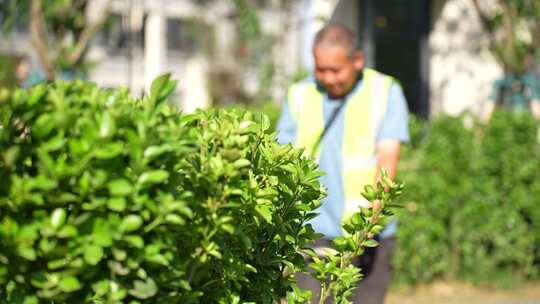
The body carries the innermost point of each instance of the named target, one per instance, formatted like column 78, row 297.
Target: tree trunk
column 37, row 36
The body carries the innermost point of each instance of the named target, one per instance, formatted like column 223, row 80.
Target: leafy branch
column 333, row 268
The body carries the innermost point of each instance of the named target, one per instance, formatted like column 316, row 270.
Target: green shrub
column 471, row 206
column 507, row 196
column 268, row 108
column 436, row 187
column 105, row 198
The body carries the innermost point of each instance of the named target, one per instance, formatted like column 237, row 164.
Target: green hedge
column 106, row 198
column 268, row 108
column 471, row 206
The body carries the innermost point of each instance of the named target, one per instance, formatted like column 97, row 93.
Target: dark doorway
column 397, row 31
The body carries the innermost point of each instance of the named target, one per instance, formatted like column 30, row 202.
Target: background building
column 436, row 48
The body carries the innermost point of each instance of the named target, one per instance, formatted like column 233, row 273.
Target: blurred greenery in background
column 512, row 28
column 471, row 201
column 8, row 64
column 59, row 31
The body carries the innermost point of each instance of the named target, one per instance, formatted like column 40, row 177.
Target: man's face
column 336, row 69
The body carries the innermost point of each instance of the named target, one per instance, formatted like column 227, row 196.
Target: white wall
column 462, row 69
column 153, row 59
column 314, row 15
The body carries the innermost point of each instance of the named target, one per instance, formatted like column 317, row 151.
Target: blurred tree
column 254, row 52
column 513, row 28
column 60, row 30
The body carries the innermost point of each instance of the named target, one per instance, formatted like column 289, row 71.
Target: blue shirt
column 393, row 126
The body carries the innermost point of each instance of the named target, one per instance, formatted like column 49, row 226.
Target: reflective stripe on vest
column 363, row 112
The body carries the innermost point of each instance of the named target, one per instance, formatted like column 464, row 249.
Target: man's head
column 337, row 59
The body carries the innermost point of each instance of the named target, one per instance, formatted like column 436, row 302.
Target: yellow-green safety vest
column 364, row 113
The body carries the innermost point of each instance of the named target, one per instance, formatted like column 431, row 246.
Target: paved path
column 444, row 293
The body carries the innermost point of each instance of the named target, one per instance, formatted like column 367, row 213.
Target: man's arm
column 393, row 131
column 388, row 156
